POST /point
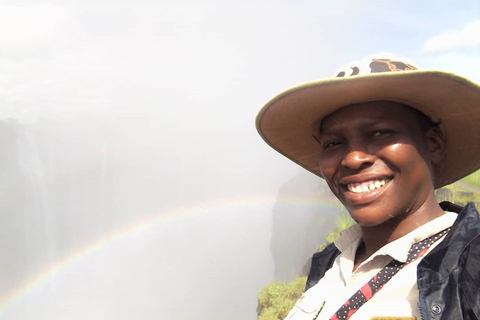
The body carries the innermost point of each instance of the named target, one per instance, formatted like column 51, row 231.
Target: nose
column 357, row 159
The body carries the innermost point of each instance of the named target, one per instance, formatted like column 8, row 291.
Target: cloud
column 29, row 25
column 461, row 63
column 449, row 40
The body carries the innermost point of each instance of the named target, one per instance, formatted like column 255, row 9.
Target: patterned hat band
column 374, row 66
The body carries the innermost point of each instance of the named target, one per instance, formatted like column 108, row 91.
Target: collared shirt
column 397, row 298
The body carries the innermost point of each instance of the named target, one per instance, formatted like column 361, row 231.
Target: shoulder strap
column 321, row 262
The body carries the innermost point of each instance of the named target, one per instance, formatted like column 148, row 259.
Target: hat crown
column 374, row 66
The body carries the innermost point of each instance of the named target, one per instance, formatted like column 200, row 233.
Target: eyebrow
column 366, row 123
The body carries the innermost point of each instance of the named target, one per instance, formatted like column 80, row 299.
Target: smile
column 367, row 186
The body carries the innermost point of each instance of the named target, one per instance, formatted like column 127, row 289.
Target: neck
column 375, row 237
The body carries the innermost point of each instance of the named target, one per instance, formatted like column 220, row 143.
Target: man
column 384, row 136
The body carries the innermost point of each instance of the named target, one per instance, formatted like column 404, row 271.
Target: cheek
column 327, row 165
column 407, row 159
column 395, row 148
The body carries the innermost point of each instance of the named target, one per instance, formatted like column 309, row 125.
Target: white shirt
column 397, row 298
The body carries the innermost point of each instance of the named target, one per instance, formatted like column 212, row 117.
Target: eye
column 330, row 144
column 380, row 133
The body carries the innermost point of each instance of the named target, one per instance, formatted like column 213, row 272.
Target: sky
column 134, row 181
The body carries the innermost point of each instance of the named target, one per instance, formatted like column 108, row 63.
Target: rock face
column 304, row 213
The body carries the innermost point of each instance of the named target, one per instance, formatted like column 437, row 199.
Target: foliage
column 461, row 192
column 343, row 222
column 277, row 299
column 473, row 179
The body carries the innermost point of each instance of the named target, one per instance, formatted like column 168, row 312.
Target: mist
column 134, row 182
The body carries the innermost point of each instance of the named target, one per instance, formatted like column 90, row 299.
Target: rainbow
column 141, row 226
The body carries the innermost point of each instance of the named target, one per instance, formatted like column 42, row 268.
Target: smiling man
column 384, row 136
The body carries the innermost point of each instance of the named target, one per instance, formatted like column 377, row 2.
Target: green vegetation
column 277, row 299
column 463, row 191
column 343, row 222
column 473, row 179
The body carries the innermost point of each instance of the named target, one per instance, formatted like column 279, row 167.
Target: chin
column 372, row 217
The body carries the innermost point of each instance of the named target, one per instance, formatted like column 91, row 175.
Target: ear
column 435, row 144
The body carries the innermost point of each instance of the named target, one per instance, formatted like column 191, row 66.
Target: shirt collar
column 351, row 237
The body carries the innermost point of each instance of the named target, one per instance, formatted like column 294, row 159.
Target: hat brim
column 287, row 122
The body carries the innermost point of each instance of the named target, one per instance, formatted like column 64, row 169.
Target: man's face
column 377, row 160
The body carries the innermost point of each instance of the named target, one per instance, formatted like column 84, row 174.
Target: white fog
column 134, row 184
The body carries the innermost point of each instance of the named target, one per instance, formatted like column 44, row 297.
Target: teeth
column 366, row 186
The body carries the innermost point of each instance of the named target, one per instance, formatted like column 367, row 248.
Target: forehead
column 371, row 112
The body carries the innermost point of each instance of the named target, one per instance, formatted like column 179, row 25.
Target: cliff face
column 304, row 213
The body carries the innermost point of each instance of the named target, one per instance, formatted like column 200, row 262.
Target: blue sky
column 126, row 110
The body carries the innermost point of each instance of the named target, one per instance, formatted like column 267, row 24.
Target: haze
column 134, row 183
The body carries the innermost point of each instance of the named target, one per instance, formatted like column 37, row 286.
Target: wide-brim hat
column 289, row 121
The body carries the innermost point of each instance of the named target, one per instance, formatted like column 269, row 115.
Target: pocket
column 305, row 309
